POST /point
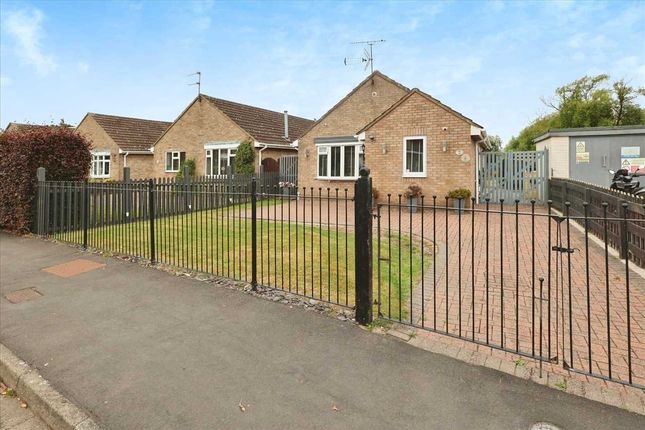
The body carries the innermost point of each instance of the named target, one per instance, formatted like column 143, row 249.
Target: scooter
column 623, row 181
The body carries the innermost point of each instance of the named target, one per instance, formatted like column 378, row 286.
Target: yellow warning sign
column 581, row 146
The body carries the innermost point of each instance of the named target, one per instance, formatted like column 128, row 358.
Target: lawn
column 315, row 261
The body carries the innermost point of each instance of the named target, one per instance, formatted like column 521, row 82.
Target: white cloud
column 25, row 28
column 83, row 67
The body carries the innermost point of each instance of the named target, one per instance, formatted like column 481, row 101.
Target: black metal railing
column 520, row 278
column 527, row 279
column 297, row 240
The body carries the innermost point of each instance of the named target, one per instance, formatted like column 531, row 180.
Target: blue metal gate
column 511, row 176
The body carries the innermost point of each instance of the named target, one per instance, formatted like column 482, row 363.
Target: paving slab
column 139, row 348
column 14, row 417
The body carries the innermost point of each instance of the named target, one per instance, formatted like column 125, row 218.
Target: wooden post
column 363, row 246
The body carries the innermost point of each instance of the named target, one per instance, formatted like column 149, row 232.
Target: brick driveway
column 521, row 325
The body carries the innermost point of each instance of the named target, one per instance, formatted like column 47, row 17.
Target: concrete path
column 141, row 349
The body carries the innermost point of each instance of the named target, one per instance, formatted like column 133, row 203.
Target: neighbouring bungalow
column 17, row 127
column 119, row 142
column 209, row 131
column 404, row 136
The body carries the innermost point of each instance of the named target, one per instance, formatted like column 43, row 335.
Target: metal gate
column 513, row 176
column 520, row 278
column 289, row 169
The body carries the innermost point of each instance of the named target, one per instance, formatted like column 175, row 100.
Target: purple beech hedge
column 64, row 154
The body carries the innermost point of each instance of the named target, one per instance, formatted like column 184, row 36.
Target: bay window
column 414, row 156
column 218, row 159
column 174, row 159
column 100, row 167
column 339, row 161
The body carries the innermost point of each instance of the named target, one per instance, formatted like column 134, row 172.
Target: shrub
column 64, row 154
column 413, row 191
column 459, row 193
column 192, row 168
column 244, row 158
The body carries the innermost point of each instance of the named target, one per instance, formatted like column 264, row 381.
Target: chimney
column 286, row 125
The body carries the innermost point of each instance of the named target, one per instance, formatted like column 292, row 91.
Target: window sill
column 347, row 178
column 415, row 175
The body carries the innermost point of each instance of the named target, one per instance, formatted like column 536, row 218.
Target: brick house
column 18, row 127
column 210, row 129
column 404, row 136
column 118, row 142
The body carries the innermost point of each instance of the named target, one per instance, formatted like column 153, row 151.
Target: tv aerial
column 198, row 83
column 367, row 57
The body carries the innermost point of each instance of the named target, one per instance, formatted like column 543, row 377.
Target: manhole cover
column 23, row 295
column 544, row 426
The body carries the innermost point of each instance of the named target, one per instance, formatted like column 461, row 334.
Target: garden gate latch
column 563, row 249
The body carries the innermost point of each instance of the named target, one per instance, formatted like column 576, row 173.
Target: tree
column 495, row 143
column 524, row 141
column 626, row 112
column 244, row 158
column 586, row 102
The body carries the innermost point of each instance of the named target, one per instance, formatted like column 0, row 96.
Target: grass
column 313, row 260
column 561, row 385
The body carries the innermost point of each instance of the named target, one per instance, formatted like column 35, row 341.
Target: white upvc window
column 415, row 156
column 339, row 160
column 100, row 167
column 174, row 159
column 218, row 158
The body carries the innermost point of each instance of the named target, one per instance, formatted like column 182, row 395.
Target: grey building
column 586, row 154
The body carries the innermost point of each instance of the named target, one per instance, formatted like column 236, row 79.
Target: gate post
column 254, row 237
column 86, row 206
column 151, row 208
column 127, row 204
column 41, row 207
column 363, row 246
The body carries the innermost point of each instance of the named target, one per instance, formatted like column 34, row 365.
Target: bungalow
column 209, row 131
column 406, row 137
column 119, row 142
column 18, row 127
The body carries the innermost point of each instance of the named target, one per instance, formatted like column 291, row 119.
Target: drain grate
column 24, row 295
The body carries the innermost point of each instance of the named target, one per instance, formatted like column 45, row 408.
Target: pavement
column 15, row 417
column 140, row 348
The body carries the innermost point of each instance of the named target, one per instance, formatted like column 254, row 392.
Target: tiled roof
column 20, row 127
column 265, row 126
column 131, row 134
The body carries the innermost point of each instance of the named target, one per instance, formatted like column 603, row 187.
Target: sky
column 493, row 61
